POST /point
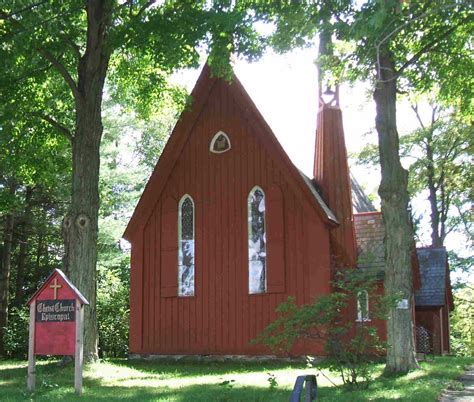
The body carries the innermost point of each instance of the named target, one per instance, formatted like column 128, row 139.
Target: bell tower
column 331, row 170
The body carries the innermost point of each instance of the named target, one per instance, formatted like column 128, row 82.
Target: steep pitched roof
column 435, row 284
column 360, row 201
column 179, row 137
column 370, row 234
column 314, row 190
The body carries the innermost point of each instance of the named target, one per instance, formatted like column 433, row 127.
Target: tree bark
column 433, row 196
column 5, row 270
column 398, row 232
column 80, row 226
column 23, row 237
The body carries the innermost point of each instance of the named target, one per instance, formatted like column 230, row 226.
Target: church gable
column 212, row 274
column 219, row 112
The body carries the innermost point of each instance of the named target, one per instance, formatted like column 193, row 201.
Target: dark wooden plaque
column 55, row 310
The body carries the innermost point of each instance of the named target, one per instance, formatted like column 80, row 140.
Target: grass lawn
column 119, row 379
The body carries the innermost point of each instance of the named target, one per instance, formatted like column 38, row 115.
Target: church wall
column 222, row 318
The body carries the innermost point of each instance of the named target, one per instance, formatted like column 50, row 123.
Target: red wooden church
column 227, row 228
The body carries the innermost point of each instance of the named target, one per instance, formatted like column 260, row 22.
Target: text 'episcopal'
column 55, row 310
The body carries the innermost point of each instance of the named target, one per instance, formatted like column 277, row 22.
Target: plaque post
column 31, row 349
column 79, row 355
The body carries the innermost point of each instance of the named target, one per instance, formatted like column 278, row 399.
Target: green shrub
column 16, row 333
column 351, row 347
column 462, row 323
column 113, row 316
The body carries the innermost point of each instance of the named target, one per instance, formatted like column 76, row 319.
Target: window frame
column 180, row 234
column 214, row 139
column 249, row 229
column 360, row 318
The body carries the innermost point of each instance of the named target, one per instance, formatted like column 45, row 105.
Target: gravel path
column 467, row 394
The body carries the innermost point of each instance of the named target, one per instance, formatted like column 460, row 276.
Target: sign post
column 56, row 325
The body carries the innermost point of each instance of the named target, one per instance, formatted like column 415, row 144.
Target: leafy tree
column 57, row 54
column 34, row 174
column 439, row 158
column 397, row 45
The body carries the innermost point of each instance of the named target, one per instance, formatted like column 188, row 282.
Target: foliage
column 397, row 45
column 439, row 157
column 429, row 41
column 462, row 323
column 272, row 381
column 16, row 333
column 55, row 59
column 113, row 315
column 350, row 345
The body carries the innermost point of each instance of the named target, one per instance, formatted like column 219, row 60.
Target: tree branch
column 434, row 109
column 32, row 73
column 58, row 126
column 27, row 8
column 463, row 219
column 63, row 71
column 48, row 56
column 415, row 109
column 144, row 7
column 429, row 46
column 76, row 49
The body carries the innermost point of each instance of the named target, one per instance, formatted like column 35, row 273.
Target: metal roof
column 370, row 233
column 360, row 201
column 433, row 270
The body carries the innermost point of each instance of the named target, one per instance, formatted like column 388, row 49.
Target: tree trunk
column 80, row 226
column 398, row 233
column 23, row 252
column 433, row 196
column 5, row 269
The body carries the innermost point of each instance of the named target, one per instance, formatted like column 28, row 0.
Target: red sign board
column 56, row 304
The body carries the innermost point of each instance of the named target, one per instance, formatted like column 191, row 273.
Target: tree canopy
column 56, row 57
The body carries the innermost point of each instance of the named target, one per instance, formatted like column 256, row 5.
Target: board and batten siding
column 222, row 318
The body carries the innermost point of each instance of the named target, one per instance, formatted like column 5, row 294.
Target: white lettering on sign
column 55, row 310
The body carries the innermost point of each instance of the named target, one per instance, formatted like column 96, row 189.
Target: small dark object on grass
column 311, row 388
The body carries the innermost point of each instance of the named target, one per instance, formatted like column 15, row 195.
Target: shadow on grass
column 57, row 383
column 190, row 368
column 94, row 390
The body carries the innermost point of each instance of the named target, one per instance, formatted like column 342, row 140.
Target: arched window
column 362, row 306
column 257, row 241
column 186, row 247
column 220, row 143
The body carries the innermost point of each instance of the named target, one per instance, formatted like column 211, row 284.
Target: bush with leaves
column 351, row 346
column 15, row 335
column 462, row 321
column 113, row 315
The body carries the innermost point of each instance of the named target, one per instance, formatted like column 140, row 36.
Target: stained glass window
column 362, row 306
column 257, row 240
column 220, row 143
column 186, row 247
